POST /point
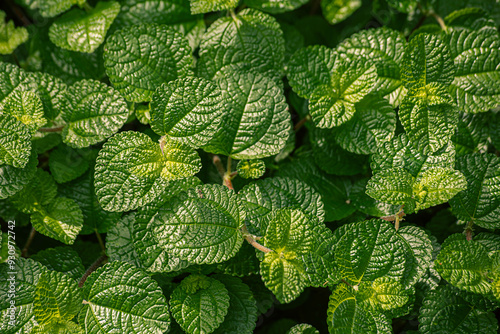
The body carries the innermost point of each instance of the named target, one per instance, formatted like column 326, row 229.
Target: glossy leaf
column 205, row 6
column 336, row 11
column 251, row 169
column 58, row 326
column 14, row 179
column 51, row 8
column 393, row 186
column 13, row 81
column 418, row 253
column 67, row 164
column 15, row 142
column 51, row 91
column 39, row 192
column 120, row 241
column 303, row 329
column 61, row 259
column 27, row 108
column 275, row 6
column 10, row 36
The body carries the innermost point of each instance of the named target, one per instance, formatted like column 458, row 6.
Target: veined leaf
column 51, row 8
column 250, row 41
column 202, row 226
column 39, row 192
column 244, row 263
column 302, row 329
column 426, row 59
column 480, row 203
column 93, row 111
column 187, row 110
column 27, row 108
column 336, row 11
column 404, row 6
column 394, row 185
column 61, row 259
column 258, row 123
column 120, row 241
column 10, row 36
column 199, row 304
column 206, row 6
column 383, row 295
column 67, row 164
column 51, row 91
column 57, row 297
column 13, row 81
column 251, row 169
column 135, row 70
column 123, row 298
column 83, row 31
column 14, row 179
column 15, row 142
column 418, row 254
column 136, row 12
column 58, row 326
column 275, row 6
column 471, row 134
column 473, row 18
column 131, row 170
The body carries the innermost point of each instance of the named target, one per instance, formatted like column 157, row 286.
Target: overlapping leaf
column 336, row 11
column 27, row 108
column 61, row 259
column 14, row 179
column 120, row 241
column 39, row 192
column 275, row 6
column 251, row 169
column 13, row 80
column 51, row 8
column 15, row 142
column 418, row 253
column 51, row 92
column 10, row 36
column 205, row 6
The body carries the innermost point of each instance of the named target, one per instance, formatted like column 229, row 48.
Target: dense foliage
column 268, row 166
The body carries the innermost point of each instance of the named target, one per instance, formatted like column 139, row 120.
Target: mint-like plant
column 249, row 166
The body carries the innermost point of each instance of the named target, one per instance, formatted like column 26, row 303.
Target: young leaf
column 57, row 297
column 120, row 241
column 14, row 179
column 187, row 110
column 39, row 192
column 394, row 185
column 15, row 142
column 199, row 304
column 384, row 295
column 61, row 259
column 93, row 111
column 206, row 6
column 13, row 80
column 58, row 326
column 10, row 36
column 27, row 108
column 336, row 11
column 259, row 122
column 131, row 66
column 83, row 31
column 251, row 169
column 122, row 298
column 302, row 329
column 50, row 90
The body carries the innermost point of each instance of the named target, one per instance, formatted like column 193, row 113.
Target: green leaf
column 471, row 134
column 122, row 298
column 15, row 142
column 302, row 329
column 480, row 203
column 333, row 104
column 470, row 18
column 93, row 111
column 244, row 263
column 136, row 12
column 57, row 296
column 131, row 170
column 383, row 294
column 134, row 70
column 259, row 122
column 275, row 6
column 465, row 264
column 251, row 169
column 187, row 110
column 206, row 6
column 51, row 8
column 10, row 36
column 51, row 92
column 445, row 311
column 14, row 179
column 67, row 164
column 373, row 124
column 202, row 225
column 13, row 81
column 242, row 312
column 61, row 259
column 426, row 59
column 250, row 41
column 27, row 108
column 199, row 304
column 83, row 31
column 336, row 11
column 58, row 326
column 38, row 193
column 120, row 241
column 404, row 6
column 62, row 220
column 394, row 185
column 369, row 250
column 476, row 55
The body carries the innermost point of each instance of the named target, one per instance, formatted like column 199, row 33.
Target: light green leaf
column 51, row 92
column 131, row 170
column 426, row 59
column 122, row 298
column 428, row 117
column 366, row 204
column 473, row 18
column 394, row 185
column 120, row 241
column 251, row 169
column 14, row 179
column 242, row 312
column 57, row 296
column 202, row 225
column 275, row 6
column 93, row 111
column 67, row 164
column 480, row 203
column 13, row 81
column 418, row 253
column 38, row 193
column 27, row 108
column 26, row 275
column 61, row 259
column 10, row 36
column 199, row 304
column 206, row 6
column 465, row 264
column 404, row 6
column 51, row 8
column 58, row 327
column 130, row 64
column 258, row 123
column 188, row 110
column 83, row 31
column 310, row 67
column 382, row 295
column 373, row 124
column 250, row 41
column 445, row 311
column 15, row 142
column 62, row 220
column 476, row 55
column 336, row 11
column 302, row 329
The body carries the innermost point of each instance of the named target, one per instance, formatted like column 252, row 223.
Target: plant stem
column 251, row 240
column 439, row 20
column 468, row 231
column 24, row 252
column 101, row 243
column 87, row 7
column 56, row 129
column 301, row 123
column 395, row 217
column 218, row 164
column 92, row 268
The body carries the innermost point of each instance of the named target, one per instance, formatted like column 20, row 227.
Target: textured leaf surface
column 62, row 220
column 252, row 41
column 51, row 91
column 59, row 326
column 39, row 192
column 382, row 295
column 12, row 80
column 139, row 59
column 51, row 8
column 303, row 329
column 15, row 142
column 14, row 179
column 93, row 111
column 27, row 108
column 131, row 170
column 61, row 259
column 393, row 186
column 251, row 169
column 10, row 36
column 258, row 123
column 125, row 299
column 480, row 203
column 136, row 12
column 201, row 226
column 120, row 241
column 206, row 6
column 83, row 31
column 418, row 253
column 187, row 110
column 275, row 6
column 336, row 11
column 199, row 304
column 57, row 296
